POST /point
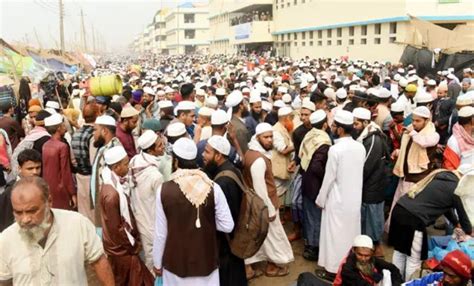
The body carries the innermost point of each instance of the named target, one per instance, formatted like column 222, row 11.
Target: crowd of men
column 251, row 17
column 340, row 151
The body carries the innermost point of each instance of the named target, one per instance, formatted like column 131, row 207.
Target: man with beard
column 48, row 246
column 149, row 107
column 120, row 234
column 236, row 102
column 57, row 165
column 313, row 156
column 166, row 113
column 190, row 208
column 276, row 248
column 148, row 170
column 255, row 116
column 104, row 139
column 460, row 147
column 340, row 196
column 215, row 156
column 84, row 152
column 443, row 108
column 128, row 122
column 283, row 148
column 29, row 165
column 361, row 267
column 375, row 181
column 306, row 109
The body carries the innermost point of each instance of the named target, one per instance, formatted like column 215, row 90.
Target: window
column 329, row 32
column 295, row 36
column 351, row 42
column 377, row 41
column 329, row 42
column 339, row 42
column 339, row 32
column 296, row 44
column 282, row 37
column 311, row 43
column 288, row 4
column 351, row 31
column 363, row 30
column 189, row 18
column 310, row 34
column 377, row 29
column 392, row 39
column 320, row 34
column 295, row 2
column 363, row 41
column 189, row 34
column 288, row 37
column 393, row 28
column 303, row 35
column 320, row 43
column 303, row 44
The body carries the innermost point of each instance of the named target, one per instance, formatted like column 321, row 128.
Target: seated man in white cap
column 362, row 267
column 313, row 156
column 57, row 164
column 340, row 195
column 120, row 234
column 146, row 171
column 189, row 210
column 376, row 180
column 128, row 122
column 276, row 248
column 238, row 106
column 229, row 178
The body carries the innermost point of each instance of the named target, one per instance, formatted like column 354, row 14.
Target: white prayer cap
column 413, row 78
column 467, row 70
column 284, row 111
column 397, row 107
column 466, row 111
column 114, row 155
column 431, row 82
column 168, row 89
column 397, row 77
column 234, row 99
column 317, row 116
column 465, row 99
column 267, row 106
column 50, row 110
column 363, row 241
column 255, row 97
column 353, row 87
column 185, row 105
column 286, row 98
column 245, row 89
column 346, row 82
column 219, row 117
column 341, row 93
column 268, row 79
column 52, row 104
column 128, row 111
column 211, row 102
column 220, row 91
column 411, row 72
column 165, row 104
column 147, row 139
column 282, row 89
column 423, row 97
column 148, row 90
column 344, row 117
column 185, row 148
column 220, row 144
column 400, row 70
column 310, row 78
column 383, row 93
column 200, row 92
column 361, row 113
column 330, row 93
column 308, row 105
column 422, row 111
column 205, row 111
column 303, row 83
column 337, row 79
column 279, row 103
column 451, row 76
column 403, row 82
column 175, row 129
column 262, row 128
column 105, row 120
column 54, row 119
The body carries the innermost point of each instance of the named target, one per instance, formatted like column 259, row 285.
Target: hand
column 74, row 201
column 409, row 128
column 318, row 206
column 158, row 272
column 272, row 218
column 291, row 167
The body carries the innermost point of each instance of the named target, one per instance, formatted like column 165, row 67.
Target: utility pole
column 83, row 33
column 61, row 25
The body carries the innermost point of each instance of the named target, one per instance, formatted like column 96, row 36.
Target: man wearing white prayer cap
column 313, row 156
column 175, row 131
column 300, row 132
column 183, row 208
column 149, row 169
column 185, row 113
column 200, row 97
column 459, row 149
column 166, row 113
column 383, row 118
column 363, row 266
column 276, row 248
column 221, row 96
column 203, row 128
column 255, row 116
column 218, row 167
column 120, row 234
column 211, row 102
column 239, row 110
column 57, row 165
column 342, row 183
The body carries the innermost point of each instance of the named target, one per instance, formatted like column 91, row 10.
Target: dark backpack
column 251, row 229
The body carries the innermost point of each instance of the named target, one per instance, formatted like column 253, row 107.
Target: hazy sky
column 116, row 22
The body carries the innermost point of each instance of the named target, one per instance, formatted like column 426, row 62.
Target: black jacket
column 376, row 173
column 351, row 276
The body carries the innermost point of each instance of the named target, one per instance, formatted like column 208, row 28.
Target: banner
column 242, row 31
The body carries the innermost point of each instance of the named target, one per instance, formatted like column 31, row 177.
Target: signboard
column 242, row 31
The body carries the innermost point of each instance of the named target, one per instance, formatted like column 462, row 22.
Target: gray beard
column 36, row 233
column 366, row 268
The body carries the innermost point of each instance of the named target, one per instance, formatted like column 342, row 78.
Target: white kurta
column 340, row 197
column 147, row 179
column 224, row 223
column 276, row 248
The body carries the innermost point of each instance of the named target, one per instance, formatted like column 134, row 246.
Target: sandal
column 282, row 271
column 323, row 274
column 255, row 274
